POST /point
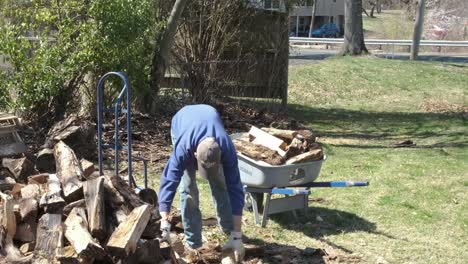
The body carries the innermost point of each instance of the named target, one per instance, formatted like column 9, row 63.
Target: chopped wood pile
column 279, row 146
column 73, row 215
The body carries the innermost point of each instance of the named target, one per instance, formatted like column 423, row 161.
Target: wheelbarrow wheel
column 248, row 202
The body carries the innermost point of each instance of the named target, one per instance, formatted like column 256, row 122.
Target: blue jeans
column 190, row 205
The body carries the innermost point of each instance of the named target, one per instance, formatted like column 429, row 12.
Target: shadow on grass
column 321, row 222
column 385, row 126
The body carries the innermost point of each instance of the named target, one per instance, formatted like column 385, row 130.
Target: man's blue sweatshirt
column 190, row 126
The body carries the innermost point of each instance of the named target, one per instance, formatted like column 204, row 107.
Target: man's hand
column 165, row 230
column 235, row 243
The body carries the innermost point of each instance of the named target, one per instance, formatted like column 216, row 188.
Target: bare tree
column 161, row 56
column 418, row 28
column 354, row 32
column 314, row 11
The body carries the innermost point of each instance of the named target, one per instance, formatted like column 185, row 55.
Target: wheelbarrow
column 294, row 181
column 148, row 195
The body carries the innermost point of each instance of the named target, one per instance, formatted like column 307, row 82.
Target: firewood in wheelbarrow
column 315, row 154
column 306, row 136
column 257, row 152
column 267, row 140
column 284, row 134
column 294, row 149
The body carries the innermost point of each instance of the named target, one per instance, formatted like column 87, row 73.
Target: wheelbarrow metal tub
column 262, row 175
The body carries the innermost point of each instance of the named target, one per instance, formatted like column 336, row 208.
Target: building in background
column 327, row 11
column 300, row 15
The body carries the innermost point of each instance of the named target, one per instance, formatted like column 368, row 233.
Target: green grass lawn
column 415, row 209
column 390, row 24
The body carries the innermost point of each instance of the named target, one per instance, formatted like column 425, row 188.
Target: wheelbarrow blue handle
column 333, row 184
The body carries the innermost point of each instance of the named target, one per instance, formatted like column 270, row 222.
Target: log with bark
column 45, row 161
column 21, row 168
column 49, row 238
column 94, row 197
column 52, row 200
column 77, row 133
column 284, row 134
column 69, row 172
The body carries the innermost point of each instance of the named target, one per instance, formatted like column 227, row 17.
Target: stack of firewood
column 56, row 209
column 279, row 146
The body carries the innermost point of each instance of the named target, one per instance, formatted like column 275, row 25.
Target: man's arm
column 234, row 186
column 170, row 180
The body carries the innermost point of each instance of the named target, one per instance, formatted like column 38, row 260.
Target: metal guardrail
column 398, row 42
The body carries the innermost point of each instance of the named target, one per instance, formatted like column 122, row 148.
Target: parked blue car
column 329, row 30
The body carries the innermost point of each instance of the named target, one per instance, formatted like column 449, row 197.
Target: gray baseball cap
column 208, row 157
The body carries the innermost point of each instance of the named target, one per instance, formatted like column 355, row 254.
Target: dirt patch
column 442, row 106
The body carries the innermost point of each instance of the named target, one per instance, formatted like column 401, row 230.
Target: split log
column 45, row 161
column 167, row 252
column 27, row 247
column 294, row 149
column 6, row 186
column 68, row 255
column 31, row 191
column 49, row 237
column 285, row 135
column 267, row 140
column 28, row 210
column 130, row 197
column 5, row 173
column 26, row 232
column 88, row 168
column 147, row 252
column 20, row 168
column 69, row 172
column 124, row 239
column 8, row 216
column 76, row 232
column 69, row 207
column 306, row 136
column 94, row 197
column 76, row 133
column 257, row 152
column 38, row 179
column 315, row 154
column 52, row 201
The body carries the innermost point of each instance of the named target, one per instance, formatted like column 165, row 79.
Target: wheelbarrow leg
column 254, row 208
column 266, row 209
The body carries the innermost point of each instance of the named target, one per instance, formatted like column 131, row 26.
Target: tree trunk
column 418, row 28
column 365, row 12
column 372, row 9
column 314, row 11
column 354, row 33
column 379, row 6
column 161, row 56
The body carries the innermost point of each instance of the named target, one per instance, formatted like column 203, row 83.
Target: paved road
column 304, row 56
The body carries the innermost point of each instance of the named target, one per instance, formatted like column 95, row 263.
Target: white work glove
column 165, row 230
column 235, row 243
